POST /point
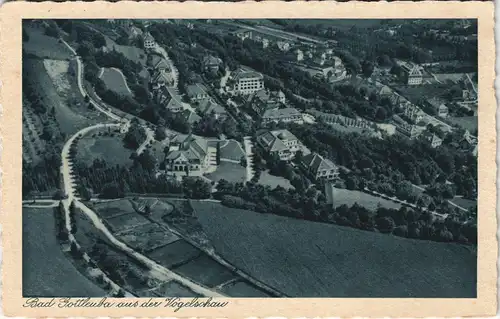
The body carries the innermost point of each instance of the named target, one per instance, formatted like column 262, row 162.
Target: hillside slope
column 307, row 259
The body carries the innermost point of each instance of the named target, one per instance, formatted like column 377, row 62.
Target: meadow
column 307, row 259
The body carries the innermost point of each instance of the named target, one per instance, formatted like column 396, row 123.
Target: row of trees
column 310, row 205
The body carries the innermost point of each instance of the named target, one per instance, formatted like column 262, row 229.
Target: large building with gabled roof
column 190, row 156
column 282, row 143
column 320, row 167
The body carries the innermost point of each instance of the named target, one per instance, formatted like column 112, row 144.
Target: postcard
column 248, row 160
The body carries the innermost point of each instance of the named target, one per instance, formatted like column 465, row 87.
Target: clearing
column 274, row 181
column 229, row 171
column 115, row 81
column 104, row 144
column 46, row 270
column 467, row 122
column 308, row 259
column 343, row 196
column 43, row 46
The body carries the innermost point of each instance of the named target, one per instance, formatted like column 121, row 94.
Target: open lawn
column 343, row 196
column 127, row 222
column 115, row 81
column 147, row 237
column 206, row 271
column 176, row 253
column 307, row 259
column 114, row 208
column 467, row 122
column 274, row 181
column 231, row 150
column 231, row 172
column 415, row 93
column 107, row 146
column 46, row 271
column 43, row 46
column 465, row 203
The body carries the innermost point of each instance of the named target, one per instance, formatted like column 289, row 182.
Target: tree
column 385, row 224
column 401, row 231
column 147, row 210
column 367, row 68
column 160, row 133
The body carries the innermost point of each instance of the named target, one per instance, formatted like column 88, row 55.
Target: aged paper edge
column 10, row 128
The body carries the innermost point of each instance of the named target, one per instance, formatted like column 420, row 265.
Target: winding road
column 157, row 271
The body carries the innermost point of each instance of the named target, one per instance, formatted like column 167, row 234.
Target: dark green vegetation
column 52, row 110
column 47, row 272
column 303, row 258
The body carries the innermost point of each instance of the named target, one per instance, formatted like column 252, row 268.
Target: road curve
column 161, row 273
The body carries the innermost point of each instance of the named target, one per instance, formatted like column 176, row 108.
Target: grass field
column 93, row 146
column 243, row 289
column 205, row 270
column 127, row 221
column 115, row 81
column 307, row 259
column 467, row 122
column 45, row 47
column 175, row 253
column 349, row 197
column 274, row 181
column 46, row 270
column 147, row 237
column 114, row 208
column 465, row 203
column 231, row 172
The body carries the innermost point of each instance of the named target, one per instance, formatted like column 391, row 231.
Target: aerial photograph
column 264, row 158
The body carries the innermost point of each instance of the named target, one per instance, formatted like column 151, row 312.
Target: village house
column 196, row 92
column 411, row 73
column 285, row 115
column 406, row 129
column 299, row 55
column 320, row 167
column 208, row 106
column 190, row 156
column 149, row 41
column 442, row 111
column 433, row 139
column 162, row 77
column 243, row 34
column 247, row 82
column 167, row 97
column 264, row 100
column 190, row 116
column 282, row 143
column 211, row 63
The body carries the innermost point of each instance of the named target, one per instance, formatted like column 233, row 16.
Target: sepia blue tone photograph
column 270, row 158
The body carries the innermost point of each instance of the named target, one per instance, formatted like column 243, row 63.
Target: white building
column 248, row 82
column 281, row 142
column 285, row 115
column 190, row 156
column 412, row 73
column 149, row 41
